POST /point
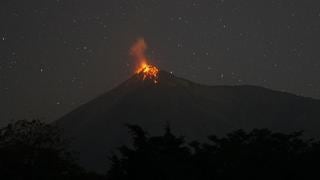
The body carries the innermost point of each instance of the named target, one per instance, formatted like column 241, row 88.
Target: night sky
column 58, row 54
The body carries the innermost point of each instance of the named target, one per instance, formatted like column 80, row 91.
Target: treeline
column 35, row 150
column 259, row 154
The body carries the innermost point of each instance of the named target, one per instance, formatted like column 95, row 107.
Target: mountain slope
column 192, row 110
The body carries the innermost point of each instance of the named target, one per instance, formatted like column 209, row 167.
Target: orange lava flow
column 137, row 51
column 149, row 72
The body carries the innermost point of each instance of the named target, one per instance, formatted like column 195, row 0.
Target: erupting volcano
column 147, row 71
column 153, row 98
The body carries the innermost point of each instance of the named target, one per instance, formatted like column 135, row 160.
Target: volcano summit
column 149, row 72
column 191, row 109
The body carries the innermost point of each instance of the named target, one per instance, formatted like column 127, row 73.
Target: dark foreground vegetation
column 34, row 150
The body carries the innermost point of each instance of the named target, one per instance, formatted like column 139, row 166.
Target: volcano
column 192, row 110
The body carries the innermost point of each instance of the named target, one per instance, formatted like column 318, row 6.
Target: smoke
column 137, row 51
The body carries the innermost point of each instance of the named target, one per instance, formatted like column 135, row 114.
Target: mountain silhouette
column 192, row 110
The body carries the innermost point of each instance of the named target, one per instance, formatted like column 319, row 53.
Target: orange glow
column 148, row 71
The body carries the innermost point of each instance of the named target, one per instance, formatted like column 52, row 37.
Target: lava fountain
column 148, row 71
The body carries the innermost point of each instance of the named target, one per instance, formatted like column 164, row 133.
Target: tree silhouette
column 35, row 150
column 259, row 154
column 158, row 157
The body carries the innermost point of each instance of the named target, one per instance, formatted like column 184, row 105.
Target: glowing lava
column 148, row 71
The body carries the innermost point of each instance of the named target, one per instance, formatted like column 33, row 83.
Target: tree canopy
column 36, row 150
column 259, row 154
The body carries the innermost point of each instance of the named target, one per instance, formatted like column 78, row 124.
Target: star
column 83, row 48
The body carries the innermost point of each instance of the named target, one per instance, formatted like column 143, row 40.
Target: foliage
column 35, row 150
column 259, row 154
